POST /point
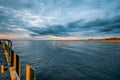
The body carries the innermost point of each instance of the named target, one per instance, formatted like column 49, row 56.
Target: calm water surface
column 70, row 60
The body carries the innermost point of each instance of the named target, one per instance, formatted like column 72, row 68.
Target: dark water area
column 70, row 60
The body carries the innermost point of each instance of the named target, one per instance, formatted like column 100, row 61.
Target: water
column 70, row 60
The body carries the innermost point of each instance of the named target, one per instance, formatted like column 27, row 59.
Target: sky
column 59, row 19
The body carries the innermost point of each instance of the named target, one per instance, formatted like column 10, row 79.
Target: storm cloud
column 78, row 18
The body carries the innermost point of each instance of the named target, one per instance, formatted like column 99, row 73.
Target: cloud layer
column 60, row 18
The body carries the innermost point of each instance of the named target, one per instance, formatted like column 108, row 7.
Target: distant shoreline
column 104, row 40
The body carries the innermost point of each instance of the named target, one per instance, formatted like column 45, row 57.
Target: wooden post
column 2, row 69
column 11, row 69
column 27, row 72
column 13, row 74
column 30, row 73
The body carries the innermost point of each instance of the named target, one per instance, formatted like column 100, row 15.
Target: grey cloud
column 96, row 28
column 75, row 23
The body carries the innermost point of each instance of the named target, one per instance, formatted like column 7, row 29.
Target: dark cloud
column 56, row 30
column 97, row 27
column 106, row 30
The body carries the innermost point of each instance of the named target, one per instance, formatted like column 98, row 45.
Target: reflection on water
column 70, row 60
